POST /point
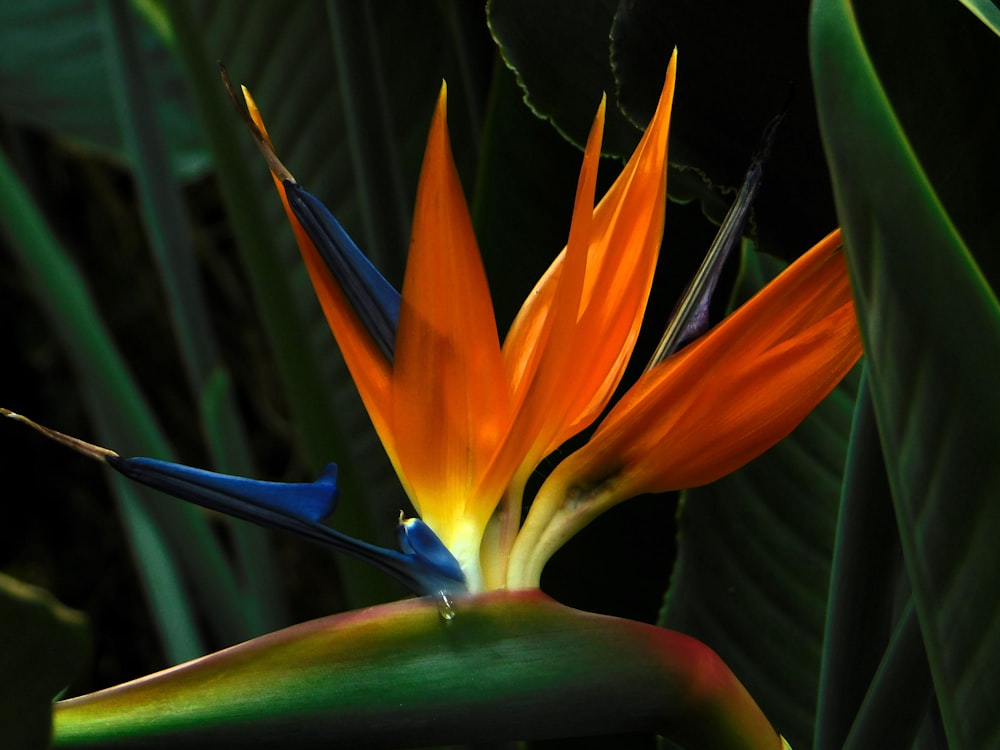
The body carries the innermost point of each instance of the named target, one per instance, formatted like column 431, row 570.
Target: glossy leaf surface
column 929, row 316
column 501, row 665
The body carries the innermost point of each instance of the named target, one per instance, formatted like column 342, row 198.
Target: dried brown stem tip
column 80, row 446
column 259, row 136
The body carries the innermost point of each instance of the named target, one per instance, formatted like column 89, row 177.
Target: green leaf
column 875, row 685
column 754, row 553
column 938, row 103
column 44, row 646
column 312, row 106
column 263, row 597
column 561, row 54
column 502, row 665
column 986, row 11
column 375, row 160
column 929, row 319
column 55, row 74
column 864, row 583
column 900, row 692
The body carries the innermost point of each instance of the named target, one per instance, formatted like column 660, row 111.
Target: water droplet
column 446, row 608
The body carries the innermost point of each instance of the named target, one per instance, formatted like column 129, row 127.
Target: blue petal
column 313, row 501
column 296, row 508
column 374, row 299
column 417, row 539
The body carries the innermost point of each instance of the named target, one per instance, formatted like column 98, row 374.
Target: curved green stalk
column 505, row 665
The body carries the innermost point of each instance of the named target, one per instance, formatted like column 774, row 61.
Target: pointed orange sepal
column 738, row 390
column 569, row 345
column 449, row 398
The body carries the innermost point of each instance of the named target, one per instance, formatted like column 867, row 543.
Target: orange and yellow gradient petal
column 449, row 398
column 708, row 409
column 568, row 347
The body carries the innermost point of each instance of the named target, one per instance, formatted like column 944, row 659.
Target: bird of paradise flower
column 466, row 420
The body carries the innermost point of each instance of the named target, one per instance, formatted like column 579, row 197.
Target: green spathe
column 507, row 665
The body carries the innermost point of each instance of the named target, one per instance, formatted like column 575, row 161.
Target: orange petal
column 542, row 352
column 744, row 386
column 541, row 396
column 591, row 301
column 366, row 363
column 449, row 398
column 711, row 407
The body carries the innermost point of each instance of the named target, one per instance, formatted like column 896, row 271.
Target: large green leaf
column 55, row 73
column 900, row 693
column 930, row 321
column 937, row 101
column 754, row 556
column 44, row 645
